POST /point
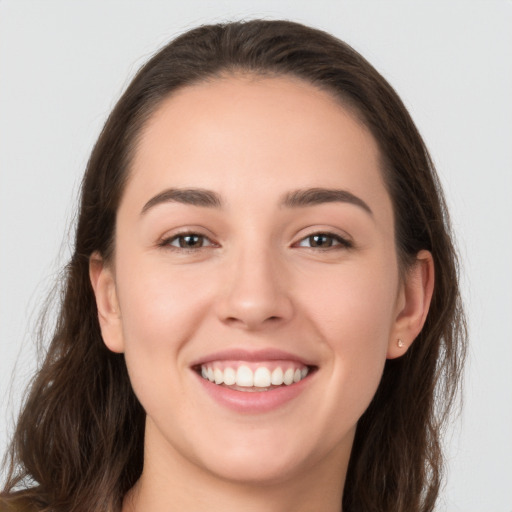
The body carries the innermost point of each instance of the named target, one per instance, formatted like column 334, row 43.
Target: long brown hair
column 79, row 439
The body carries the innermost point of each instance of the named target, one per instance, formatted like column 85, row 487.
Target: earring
column 400, row 343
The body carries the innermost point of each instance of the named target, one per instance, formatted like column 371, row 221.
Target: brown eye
column 190, row 241
column 320, row 240
column 324, row 241
column 187, row 241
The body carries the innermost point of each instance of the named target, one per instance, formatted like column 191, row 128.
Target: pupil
column 191, row 241
column 320, row 241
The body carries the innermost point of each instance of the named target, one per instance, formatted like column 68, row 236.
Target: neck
column 170, row 483
column 151, row 493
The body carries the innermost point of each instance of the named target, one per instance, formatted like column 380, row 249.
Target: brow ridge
column 315, row 196
column 191, row 196
column 294, row 199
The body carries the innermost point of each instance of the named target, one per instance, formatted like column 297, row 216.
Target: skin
column 257, row 283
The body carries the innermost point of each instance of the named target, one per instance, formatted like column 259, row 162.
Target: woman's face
column 254, row 246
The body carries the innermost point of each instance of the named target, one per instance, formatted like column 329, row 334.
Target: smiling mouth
column 254, row 377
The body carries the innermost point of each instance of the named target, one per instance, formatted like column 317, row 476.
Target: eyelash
column 336, row 242
column 168, row 242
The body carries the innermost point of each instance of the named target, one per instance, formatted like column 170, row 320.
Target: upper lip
column 240, row 354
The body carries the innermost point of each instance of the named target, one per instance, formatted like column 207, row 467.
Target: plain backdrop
column 64, row 63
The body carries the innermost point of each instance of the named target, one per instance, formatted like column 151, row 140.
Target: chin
column 254, row 470
column 262, row 458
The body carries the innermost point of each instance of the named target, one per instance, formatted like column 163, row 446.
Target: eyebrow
column 316, row 196
column 295, row 199
column 192, row 196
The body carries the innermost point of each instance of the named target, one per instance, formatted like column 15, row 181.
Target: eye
column 324, row 241
column 187, row 241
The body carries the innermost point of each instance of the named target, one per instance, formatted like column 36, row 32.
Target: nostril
column 249, row 321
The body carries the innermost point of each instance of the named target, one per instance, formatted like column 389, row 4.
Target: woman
column 262, row 308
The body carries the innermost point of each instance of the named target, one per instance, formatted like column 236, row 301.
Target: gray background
column 63, row 64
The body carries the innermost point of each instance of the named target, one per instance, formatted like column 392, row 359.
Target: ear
column 109, row 316
column 412, row 305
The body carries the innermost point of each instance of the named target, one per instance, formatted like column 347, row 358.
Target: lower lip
column 254, row 402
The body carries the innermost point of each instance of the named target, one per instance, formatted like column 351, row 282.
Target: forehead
column 239, row 132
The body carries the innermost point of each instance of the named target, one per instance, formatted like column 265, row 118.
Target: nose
column 255, row 293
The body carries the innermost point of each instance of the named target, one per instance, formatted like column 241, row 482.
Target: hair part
column 79, row 439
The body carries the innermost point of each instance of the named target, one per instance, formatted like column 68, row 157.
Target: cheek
column 353, row 310
column 354, row 302
column 159, row 306
column 161, row 312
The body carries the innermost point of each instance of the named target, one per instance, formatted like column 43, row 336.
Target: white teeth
column 229, row 376
column 277, row 377
column 262, row 378
column 218, row 375
column 288, row 376
column 244, row 376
